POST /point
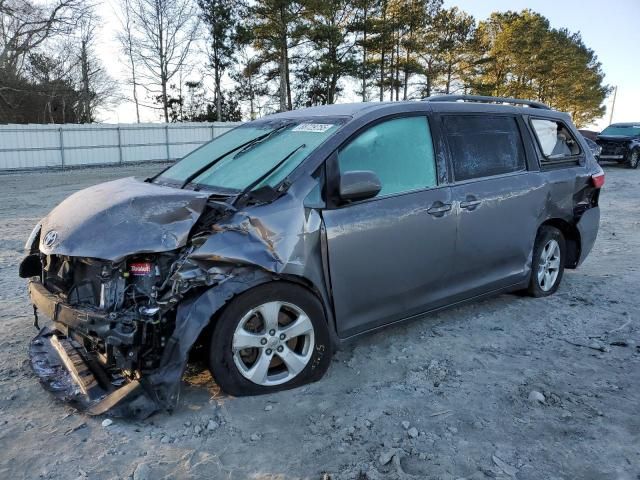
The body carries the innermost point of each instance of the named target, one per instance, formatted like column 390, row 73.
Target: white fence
column 59, row 146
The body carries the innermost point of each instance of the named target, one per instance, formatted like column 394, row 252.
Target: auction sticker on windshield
column 312, row 127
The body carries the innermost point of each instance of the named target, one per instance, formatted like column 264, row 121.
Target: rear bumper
column 588, row 226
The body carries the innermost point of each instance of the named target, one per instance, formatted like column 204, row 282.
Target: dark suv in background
column 288, row 234
column 620, row 142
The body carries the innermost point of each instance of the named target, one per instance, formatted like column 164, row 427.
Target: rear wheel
column 634, row 158
column 273, row 337
column 547, row 265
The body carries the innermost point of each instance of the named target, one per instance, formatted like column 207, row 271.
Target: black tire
column 634, row 158
column 545, row 235
column 221, row 356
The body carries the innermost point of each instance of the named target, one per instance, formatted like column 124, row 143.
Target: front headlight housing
column 33, row 238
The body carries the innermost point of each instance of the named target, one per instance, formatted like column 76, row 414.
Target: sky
column 609, row 28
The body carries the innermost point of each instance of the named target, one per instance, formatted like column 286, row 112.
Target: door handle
column 470, row 203
column 438, row 209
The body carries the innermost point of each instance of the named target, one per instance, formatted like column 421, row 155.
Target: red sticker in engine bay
column 140, row 268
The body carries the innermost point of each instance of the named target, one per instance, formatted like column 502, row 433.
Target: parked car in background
column 620, row 143
column 590, row 134
column 281, row 238
column 595, row 149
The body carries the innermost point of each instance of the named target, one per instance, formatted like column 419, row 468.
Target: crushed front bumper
column 157, row 389
column 67, row 370
column 59, row 312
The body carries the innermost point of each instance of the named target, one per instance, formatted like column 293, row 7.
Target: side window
column 484, row 145
column 555, row 140
column 399, row 151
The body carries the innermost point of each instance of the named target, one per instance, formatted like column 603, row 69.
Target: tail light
column 597, row 180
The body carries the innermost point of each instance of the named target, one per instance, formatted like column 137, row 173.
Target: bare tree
column 52, row 84
column 96, row 87
column 31, row 34
column 162, row 34
column 126, row 39
column 24, row 26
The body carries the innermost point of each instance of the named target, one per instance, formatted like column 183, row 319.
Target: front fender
column 192, row 317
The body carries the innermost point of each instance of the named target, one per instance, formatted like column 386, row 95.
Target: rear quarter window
column 484, row 145
column 556, row 142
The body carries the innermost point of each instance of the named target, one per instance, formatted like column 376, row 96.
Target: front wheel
column 272, row 337
column 547, row 264
column 634, row 158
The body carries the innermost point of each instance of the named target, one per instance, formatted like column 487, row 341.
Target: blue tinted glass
column 212, row 150
column 626, row 130
column 239, row 169
column 399, row 151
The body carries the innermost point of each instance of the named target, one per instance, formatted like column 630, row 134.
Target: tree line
column 49, row 66
column 230, row 60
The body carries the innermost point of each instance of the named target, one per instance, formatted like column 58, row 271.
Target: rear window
column 556, row 142
column 484, row 145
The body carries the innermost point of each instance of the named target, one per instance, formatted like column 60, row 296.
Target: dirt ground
column 449, row 396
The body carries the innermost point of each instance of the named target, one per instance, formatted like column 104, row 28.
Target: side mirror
column 359, row 185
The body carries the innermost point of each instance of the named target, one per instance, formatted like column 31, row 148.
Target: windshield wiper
column 153, row 177
column 261, row 139
column 242, row 146
column 267, row 174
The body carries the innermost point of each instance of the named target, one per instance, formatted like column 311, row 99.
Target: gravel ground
column 511, row 387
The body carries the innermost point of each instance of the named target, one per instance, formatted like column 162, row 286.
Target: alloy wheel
column 549, row 265
column 635, row 159
column 273, row 343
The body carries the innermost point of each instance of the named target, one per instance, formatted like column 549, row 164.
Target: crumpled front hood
column 120, row 218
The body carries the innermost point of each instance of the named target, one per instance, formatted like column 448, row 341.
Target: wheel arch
column 303, row 282
column 572, row 239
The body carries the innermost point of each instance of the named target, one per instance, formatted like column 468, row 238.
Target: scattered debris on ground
column 511, row 387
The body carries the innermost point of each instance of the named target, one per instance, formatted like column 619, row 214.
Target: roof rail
column 486, row 99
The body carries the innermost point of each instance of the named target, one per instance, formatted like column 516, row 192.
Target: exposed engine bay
column 112, row 321
column 126, row 311
column 129, row 289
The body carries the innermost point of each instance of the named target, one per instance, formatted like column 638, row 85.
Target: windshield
column 237, row 159
column 625, row 130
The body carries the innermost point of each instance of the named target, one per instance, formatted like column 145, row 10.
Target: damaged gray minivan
column 274, row 242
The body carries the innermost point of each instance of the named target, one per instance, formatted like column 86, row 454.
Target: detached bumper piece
column 52, row 307
column 72, row 374
column 64, row 371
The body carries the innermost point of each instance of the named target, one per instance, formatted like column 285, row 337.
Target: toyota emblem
column 50, row 238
